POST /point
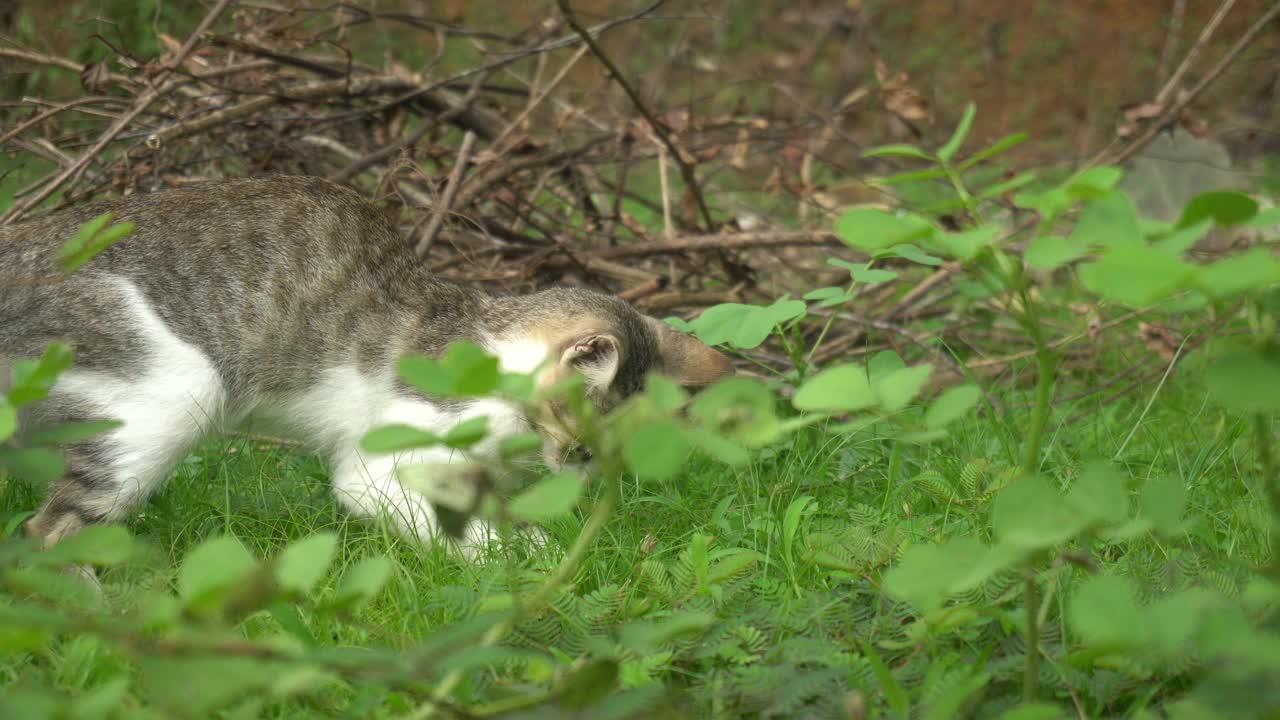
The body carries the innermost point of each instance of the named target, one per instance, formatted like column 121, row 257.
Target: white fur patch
column 177, row 397
column 519, row 356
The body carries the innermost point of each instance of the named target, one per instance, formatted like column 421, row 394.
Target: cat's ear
column 597, row 356
column 686, row 359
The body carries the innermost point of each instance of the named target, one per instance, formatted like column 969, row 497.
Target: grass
column 796, row 608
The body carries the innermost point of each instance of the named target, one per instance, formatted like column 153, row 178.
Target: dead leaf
column 708, row 154
column 96, row 78
column 738, row 158
column 1143, row 111
column 774, row 182
column 1160, row 340
column 169, row 42
column 900, row 98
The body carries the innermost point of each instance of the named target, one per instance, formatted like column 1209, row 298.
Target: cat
column 289, row 300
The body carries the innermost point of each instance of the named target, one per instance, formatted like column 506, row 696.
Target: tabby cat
column 288, row 301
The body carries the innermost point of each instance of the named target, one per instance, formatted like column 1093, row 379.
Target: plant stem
column 1031, row 675
column 808, row 360
column 1046, row 365
column 1262, row 439
column 1046, row 371
column 957, row 183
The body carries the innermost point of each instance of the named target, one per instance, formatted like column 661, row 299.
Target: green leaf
column 728, row 566
column 475, row 370
column 829, row 296
column 1007, row 186
column 286, row 614
column 1161, row 501
column 719, row 448
column 304, row 562
column 397, row 437
column 894, row 694
column 103, row 701
column 514, row 446
column 92, row 238
column 168, row 682
column 1246, row 380
column 657, row 450
column 1099, row 494
column 897, row 150
column 932, row 173
column 744, row 326
column 1254, row 269
column 212, row 569
column 589, row 684
column 871, row 275
column 33, row 379
column 1030, row 514
column 1104, row 611
column 841, row 388
column 362, row 582
column 951, row 405
column 910, row 252
column 69, row 432
column 994, row 560
column 645, row 637
column 740, row 409
column 548, row 499
column 948, row 149
column 465, row 370
column 1136, row 276
column 966, row 245
column 873, row 229
column 667, row 395
column 1051, row 251
column 1108, row 221
column 94, row 545
column 1048, row 204
column 1179, row 241
column 699, row 562
column 8, row 419
column 1224, row 207
column 1094, row 182
column 992, row 150
column 467, row 433
column 1173, row 619
column 35, row 464
column 927, row 573
column 900, row 388
column 796, row 511
column 883, row 364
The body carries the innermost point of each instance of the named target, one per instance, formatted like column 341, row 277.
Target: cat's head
column 612, row 346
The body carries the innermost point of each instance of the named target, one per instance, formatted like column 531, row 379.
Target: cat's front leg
column 368, row 486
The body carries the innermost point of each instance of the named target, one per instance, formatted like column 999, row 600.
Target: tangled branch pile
column 496, row 172
column 494, row 176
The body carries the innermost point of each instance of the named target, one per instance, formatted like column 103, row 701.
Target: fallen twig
column 450, row 192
